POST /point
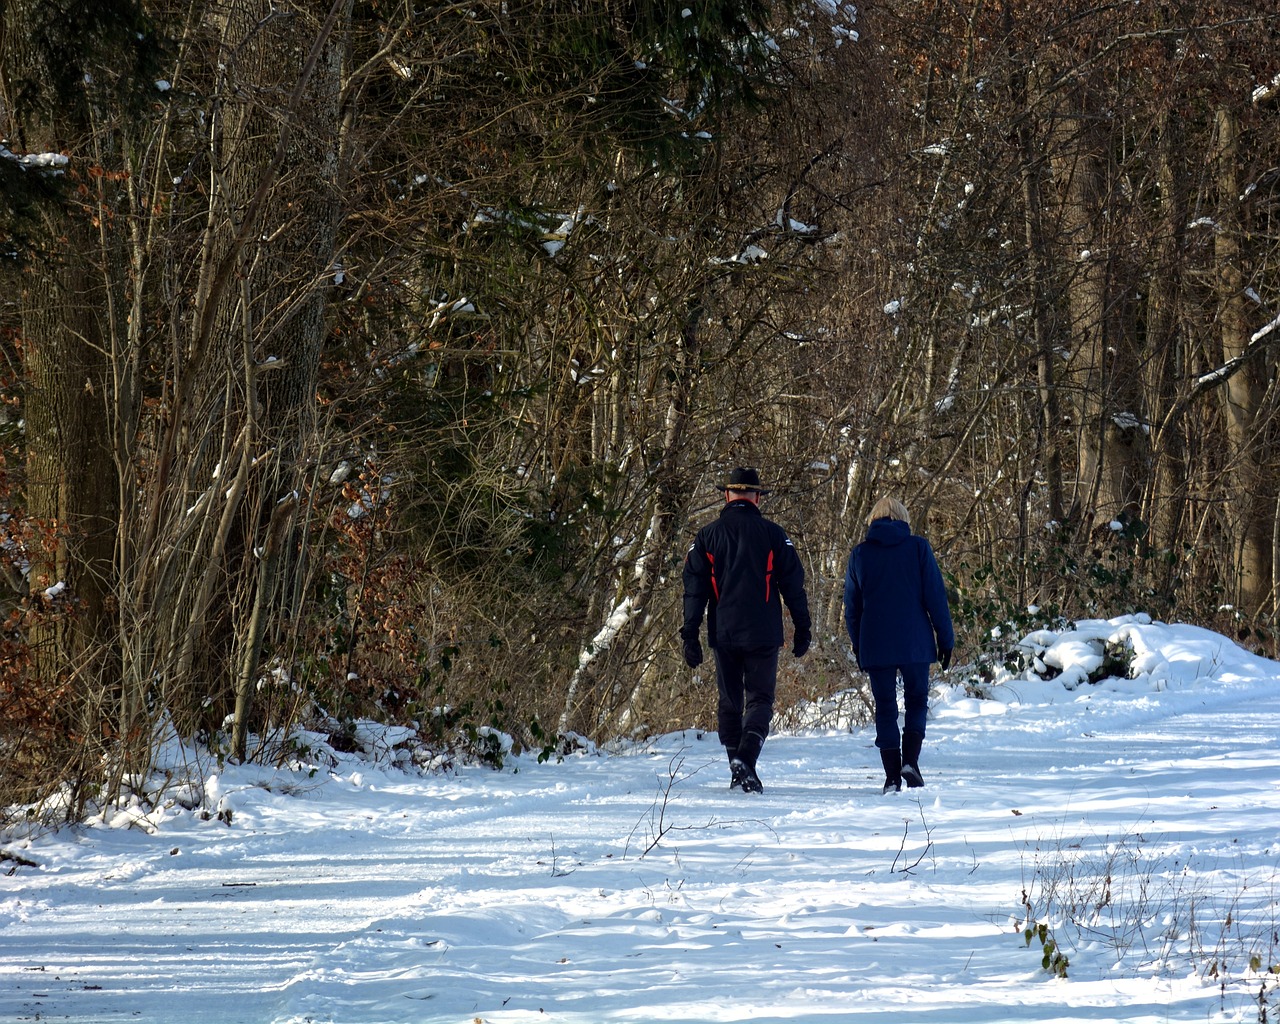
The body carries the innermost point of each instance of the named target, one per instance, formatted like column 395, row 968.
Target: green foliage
column 546, row 742
column 110, row 43
column 1115, row 573
column 1148, row 912
column 485, row 745
column 1053, row 959
column 1256, row 964
column 562, row 531
column 1117, row 661
column 653, row 74
column 475, row 734
column 555, row 746
column 22, row 192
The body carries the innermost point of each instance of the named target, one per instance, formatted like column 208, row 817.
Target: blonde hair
column 889, row 508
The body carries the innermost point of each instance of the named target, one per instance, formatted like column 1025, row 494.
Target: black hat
column 743, row 479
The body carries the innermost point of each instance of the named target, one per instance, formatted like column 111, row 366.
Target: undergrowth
column 1148, row 913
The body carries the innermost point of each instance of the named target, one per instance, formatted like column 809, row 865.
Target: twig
column 928, row 834
column 658, row 819
column 18, row 861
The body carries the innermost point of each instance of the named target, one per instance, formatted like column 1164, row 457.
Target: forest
column 379, row 359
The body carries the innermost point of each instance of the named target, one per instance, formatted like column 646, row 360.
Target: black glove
column 944, row 658
column 803, row 639
column 692, row 652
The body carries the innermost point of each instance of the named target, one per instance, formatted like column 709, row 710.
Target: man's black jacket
column 740, row 568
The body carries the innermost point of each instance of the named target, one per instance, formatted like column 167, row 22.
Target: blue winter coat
column 740, row 568
column 895, row 605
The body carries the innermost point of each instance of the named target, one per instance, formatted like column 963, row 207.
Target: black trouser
column 747, row 678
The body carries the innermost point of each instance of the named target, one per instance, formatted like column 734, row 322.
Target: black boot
column 742, row 764
column 749, row 748
column 742, row 776
column 892, row 761
column 735, row 772
column 911, row 743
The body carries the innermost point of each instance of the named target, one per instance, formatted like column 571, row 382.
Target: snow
column 43, row 162
column 1266, row 330
column 1266, row 91
column 1133, row 817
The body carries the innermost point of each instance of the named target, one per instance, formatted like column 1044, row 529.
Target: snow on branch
column 1269, row 91
column 619, row 617
column 1266, row 330
column 47, row 163
column 1229, row 369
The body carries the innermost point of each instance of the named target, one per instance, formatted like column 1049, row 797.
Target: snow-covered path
column 1140, row 824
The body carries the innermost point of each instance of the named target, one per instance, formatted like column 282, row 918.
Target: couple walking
column 742, row 568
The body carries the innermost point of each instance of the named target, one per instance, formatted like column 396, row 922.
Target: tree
column 65, row 73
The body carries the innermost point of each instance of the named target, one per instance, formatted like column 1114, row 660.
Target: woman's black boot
column 892, row 761
column 911, row 744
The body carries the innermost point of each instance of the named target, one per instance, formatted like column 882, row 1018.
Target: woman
column 895, row 609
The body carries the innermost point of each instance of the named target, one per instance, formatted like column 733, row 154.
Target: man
column 740, row 569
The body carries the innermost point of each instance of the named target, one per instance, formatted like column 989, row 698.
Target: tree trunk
column 1164, row 508
column 1248, row 515
column 70, row 315
column 1102, row 365
column 245, row 379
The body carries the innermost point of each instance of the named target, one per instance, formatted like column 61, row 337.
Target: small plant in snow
column 558, row 746
column 1154, row 914
column 1054, row 960
column 1117, row 661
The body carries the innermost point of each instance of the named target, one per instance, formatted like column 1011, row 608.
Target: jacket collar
column 744, row 506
